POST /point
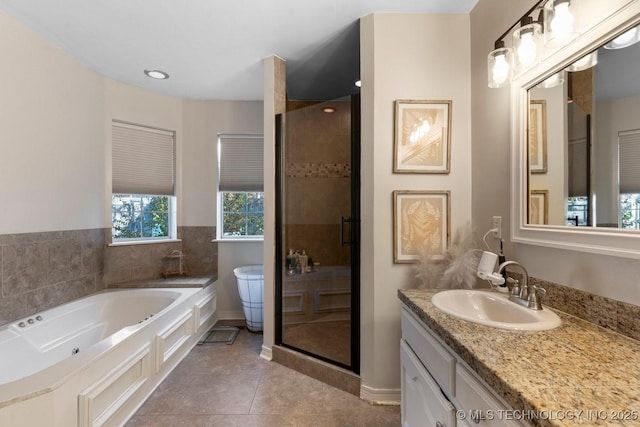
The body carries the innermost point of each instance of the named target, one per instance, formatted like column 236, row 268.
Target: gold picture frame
column 422, row 141
column 539, row 207
column 538, row 136
column 421, row 224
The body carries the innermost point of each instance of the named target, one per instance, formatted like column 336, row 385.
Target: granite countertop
column 170, row 282
column 576, row 374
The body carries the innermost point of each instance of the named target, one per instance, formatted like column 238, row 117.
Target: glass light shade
column 584, row 63
column 500, row 67
column 625, row 39
column 552, row 81
column 560, row 22
column 527, row 42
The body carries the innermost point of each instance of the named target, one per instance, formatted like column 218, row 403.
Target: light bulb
column 562, row 22
column 527, row 50
column 585, row 62
column 552, row 81
column 626, row 39
column 501, row 69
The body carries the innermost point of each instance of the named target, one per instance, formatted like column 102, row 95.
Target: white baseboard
column 266, row 353
column 380, row 396
column 231, row 315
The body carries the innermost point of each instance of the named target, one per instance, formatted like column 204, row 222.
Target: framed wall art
column 538, row 136
column 422, row 141
column 539, row 207
column 421, row 224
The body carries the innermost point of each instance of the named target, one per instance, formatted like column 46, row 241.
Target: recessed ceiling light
column 358, row 83
column 329, row 110
column 156, row 74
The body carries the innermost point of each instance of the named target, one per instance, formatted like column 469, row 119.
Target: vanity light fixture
column 552, row 81
column 358, row 83
column 156, row 74
column 527, row 41
column 584, row 63
column 526, row 44
column 625, row 39
column 560, row 22
column 551, row 23
column 500, row 65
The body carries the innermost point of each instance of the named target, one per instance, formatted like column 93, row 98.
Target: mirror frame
column 605, row 241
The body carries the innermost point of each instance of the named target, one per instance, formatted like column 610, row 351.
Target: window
column 143, row 183
column 629, row 209
column 137, row 216
column 240, row 186
column 629, row 179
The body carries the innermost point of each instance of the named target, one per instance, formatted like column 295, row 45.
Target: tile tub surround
column 128, row 263
column 45, row 269
column 575, row 367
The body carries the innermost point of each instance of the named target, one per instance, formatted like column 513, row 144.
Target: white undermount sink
column 493, row 309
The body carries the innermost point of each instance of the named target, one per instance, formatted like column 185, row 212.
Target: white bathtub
column 95, row 360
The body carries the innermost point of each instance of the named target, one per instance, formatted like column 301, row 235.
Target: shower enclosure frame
column 354, row 240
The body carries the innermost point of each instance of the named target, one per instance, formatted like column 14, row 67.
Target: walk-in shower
column 317, row 273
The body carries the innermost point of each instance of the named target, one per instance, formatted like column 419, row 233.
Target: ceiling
column 213, row 49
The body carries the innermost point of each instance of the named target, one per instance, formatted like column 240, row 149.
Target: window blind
column 143, row 160
column 629, row 161
column 240, row 162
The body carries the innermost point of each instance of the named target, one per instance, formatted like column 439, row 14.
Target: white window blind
column 629, row 161
column 143, row 160
column 240, row 162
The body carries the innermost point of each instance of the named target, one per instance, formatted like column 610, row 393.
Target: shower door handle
column 343, row 220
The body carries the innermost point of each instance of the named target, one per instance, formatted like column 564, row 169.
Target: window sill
column 144, row 242
column 249, row 240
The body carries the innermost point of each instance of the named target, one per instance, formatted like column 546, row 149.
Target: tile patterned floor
column 230, row 385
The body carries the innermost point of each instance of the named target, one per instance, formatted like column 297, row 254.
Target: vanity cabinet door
column 423, row 404
column 476, row 399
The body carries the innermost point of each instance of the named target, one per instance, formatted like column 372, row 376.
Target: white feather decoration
column 458, row 270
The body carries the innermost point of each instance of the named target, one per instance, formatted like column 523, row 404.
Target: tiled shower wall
column 317, row 183
column 42, row 270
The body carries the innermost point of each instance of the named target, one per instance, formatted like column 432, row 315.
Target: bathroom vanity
column 458, row 373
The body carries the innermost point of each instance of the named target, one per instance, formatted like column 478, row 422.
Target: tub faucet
column 522, row 293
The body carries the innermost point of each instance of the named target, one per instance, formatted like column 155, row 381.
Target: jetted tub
column 95, row 360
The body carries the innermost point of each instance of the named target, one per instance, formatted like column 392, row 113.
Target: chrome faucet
column 523, row 294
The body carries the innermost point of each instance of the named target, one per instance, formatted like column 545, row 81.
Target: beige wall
column 424, row 57
column 554, row 180
column 52, row 150
column 201, row 123
column 608, row 276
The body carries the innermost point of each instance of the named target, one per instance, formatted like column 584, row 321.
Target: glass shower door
column 316, row 290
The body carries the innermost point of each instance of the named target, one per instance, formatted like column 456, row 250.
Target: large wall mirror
column 576, row 150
